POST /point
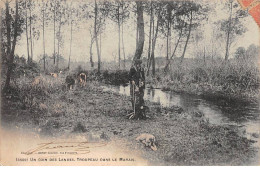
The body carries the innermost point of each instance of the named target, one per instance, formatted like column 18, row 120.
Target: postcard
column 130, row 83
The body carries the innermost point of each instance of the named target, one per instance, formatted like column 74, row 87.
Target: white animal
column 148, row 140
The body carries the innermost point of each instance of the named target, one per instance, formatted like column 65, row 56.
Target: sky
column 81, row 38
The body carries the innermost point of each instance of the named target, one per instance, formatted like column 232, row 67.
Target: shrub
column 113, row 77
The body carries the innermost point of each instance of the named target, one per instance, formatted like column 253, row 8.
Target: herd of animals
column 70, row 80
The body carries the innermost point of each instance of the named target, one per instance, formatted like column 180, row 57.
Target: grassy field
column 182, row 138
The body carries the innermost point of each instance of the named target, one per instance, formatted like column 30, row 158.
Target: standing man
column 137, row 86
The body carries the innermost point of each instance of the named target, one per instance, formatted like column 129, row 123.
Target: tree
column 118, row 13
column 26, row 13
column 86, row 15
column 118, row 21
column 30, row 19
column 232, row 27
column 43, row 33
column 11, row 45
column 53, row 6
column 215, row 42
column 71, row 25
column 179, row 27
column 61, row 8
column 169, row 23
column 140, row 28
column 253, row 52
column 96, row 34
column 196, row 14
column 157, row 7
column 150, row 36
column 240, row 53
column 27, row 37
column 125, row 15
column 92, row 40
column 98, row 13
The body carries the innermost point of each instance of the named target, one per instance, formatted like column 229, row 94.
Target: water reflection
column 241, row 114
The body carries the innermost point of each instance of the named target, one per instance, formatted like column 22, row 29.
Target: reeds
column 235, row 77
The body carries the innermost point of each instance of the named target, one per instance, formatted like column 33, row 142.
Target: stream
column 247, row 116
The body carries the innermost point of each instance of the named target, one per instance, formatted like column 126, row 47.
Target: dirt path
column 182, row 138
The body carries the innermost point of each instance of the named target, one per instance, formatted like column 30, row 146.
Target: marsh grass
column 234, row 78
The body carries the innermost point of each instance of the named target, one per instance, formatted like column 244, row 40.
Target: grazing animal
column 55, row 75
column 148, row 140
column 70, row 81
column 82, row 79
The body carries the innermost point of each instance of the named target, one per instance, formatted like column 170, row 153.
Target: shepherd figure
column 137, row 86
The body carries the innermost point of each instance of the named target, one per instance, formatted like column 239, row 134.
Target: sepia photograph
column 130, row 83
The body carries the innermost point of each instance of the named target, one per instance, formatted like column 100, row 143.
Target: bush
column 115, row 77
column 118, row 77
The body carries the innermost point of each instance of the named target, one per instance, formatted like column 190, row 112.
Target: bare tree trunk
column 33, row 43
column 118, row 21
column 123, row 46
column 153, row 34
column 153, row 46
column 136, row 46
column 43, row 34
column 212, row 51
column 59, row 39
column 8, row 30
column 92, row 40
column 188, row 37
column 204, row 55
column 91, row 54
column 26, row 27
column 95, row 30
column 150, row 38
column 100, row 38
column 140, row 22
column 153, row 64
column 167, row 41
column 70, row 39
column 175, row 48
column 169, row 13
column 31, row 30
column 228, row 33
column 10, row 50
column 167, row 44
column 170, row 37
column 54, row 37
